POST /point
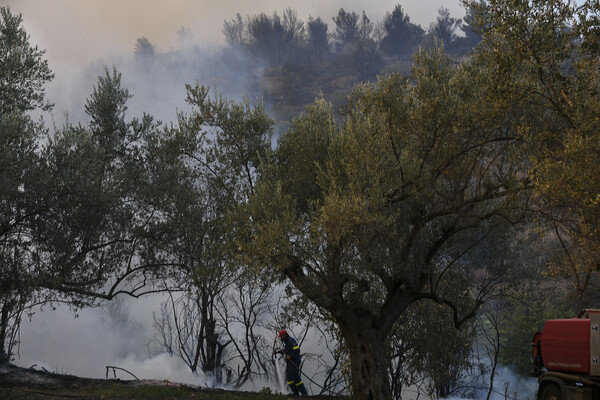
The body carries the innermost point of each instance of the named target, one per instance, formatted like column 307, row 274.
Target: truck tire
column 551, row 392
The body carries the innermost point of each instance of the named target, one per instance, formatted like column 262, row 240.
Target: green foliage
column 433, row 349
column 202, row 168
column 294, row 76
column 271, row 38
column 76, row 230
column 317, row 39
column 367, row 59
column 22, row 199
column 304, row 150
column 390, row 220
column 23, row 71
column 242, row 135
column 334, row 58
column 346, row 26
column 234, row 31
column 401, row 37
column 95, row 225
column 474, row 22
column 543, row 56
column 106, row 107
column 23, row 195
column 266, row 390
column 528, row 312
column 144, row 50
column 392, row 207
column 445, row 26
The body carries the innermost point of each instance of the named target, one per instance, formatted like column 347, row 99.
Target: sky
column 77, row 32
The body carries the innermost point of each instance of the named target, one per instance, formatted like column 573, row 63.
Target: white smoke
column 508, row 385
column 281, row 381
column 158, row 85
column 85, row 345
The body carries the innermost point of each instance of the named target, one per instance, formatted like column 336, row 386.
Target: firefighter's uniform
column 292, row 364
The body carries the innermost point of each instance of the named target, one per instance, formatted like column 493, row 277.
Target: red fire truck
column 566, row 358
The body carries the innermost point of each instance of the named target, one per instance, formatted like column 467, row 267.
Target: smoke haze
column 78, row 32
column 81, row 37
column 99, row 337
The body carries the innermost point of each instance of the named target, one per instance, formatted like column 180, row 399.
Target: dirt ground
column 22, row 383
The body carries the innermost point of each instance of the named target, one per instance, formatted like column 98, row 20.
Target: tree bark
column 367, row 356
column 3, row 328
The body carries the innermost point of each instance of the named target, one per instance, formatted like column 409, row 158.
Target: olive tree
column 96, row 240
column 394, row 206
column 544, row 55
column 82, row 211
column 207, row 163
column 23, row 69
column 23, row 74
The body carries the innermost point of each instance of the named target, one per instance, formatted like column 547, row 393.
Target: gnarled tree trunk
column 367, row 356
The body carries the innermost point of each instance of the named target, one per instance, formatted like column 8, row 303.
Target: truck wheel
column 551, row 392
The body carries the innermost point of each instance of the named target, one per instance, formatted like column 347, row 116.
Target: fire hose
column 300, row 371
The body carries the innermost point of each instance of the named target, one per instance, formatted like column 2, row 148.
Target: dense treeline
column 447, row 212
column 288, row 62
column 279, row 40
column 351, row 45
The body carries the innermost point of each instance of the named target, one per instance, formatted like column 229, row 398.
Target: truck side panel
column 566, row 345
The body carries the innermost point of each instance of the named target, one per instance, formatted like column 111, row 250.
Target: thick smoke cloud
column 158, row 85
column 109, row 336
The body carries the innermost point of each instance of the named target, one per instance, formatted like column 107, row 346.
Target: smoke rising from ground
column 97, row 338
column 508, row 385
column 157, row 85
column 119, row 334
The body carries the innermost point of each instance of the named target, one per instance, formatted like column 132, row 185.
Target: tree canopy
column 393, row 206
column 400, row 37
column 23, row 70
column 544, row 60
column 23, row 198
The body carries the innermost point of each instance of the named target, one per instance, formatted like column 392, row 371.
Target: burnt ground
column 24, row 383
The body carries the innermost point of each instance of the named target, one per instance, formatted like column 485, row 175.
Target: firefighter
column 291, row 351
